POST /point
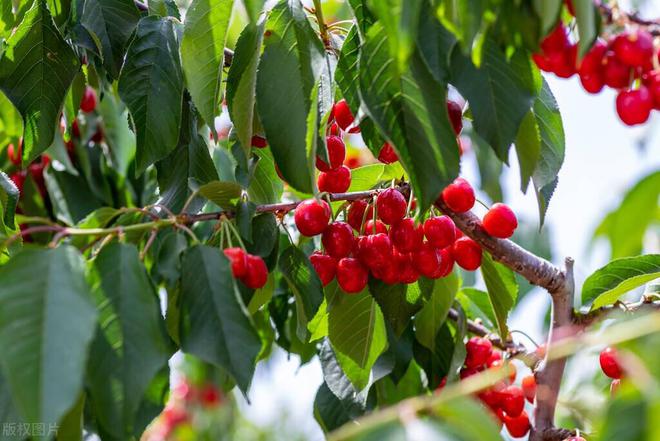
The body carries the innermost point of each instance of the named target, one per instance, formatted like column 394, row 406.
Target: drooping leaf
column 36, row 69
column 202, row 54
column 9, row 195
column 502, row 290
column 290, row 65
column 215, row 324
column 164, row 8
column 329, row 411
column 528, row 148
column 265, row 186
column 398, row 303
column 131, row 344
column 223, row 194
column 117, row 133
column 151, row 85
column 46, row 325
column 410, row 110
column 112, row 22
column 607, row 284
column 73, row 97
column 429, row 319
column 71, row 196
column 548, row 12
column 253, row 8
column 354, row 400
column 465, row 416
column 400, row 20
column 588, row 24
column 465, row 19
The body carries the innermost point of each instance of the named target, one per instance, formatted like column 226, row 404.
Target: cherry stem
column 526, row 335
column 483, row 204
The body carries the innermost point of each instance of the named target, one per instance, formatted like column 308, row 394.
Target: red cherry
column 45, row 160
column 542, row 62
column 377, row 249
column 258, row 142
column 312, row 217
column 592, row 62
column 387, row 272
column 609, row 363
column 406, row 236
column 492, row 396
column 174, row 416
column 335, row 181
column 334, row 130
column 391, row 206
column 353, row 162
column 654, row 87
column 440, row 231
column 467, row 253
column 494, row 356
column 352, row 276
column 88, row 102
column 517, row 426
column 210, row 396
column 615, row 73
column 467, row 372
column 407, row 271
column 459, row 196
column 97, row 137
column 633, row 48
column 455, row 116
column 387, row 154
column 325, row 266
column 338, row 239
column 381, row 228
column 614, row 387
column 565, row 62
column 427, row 260
column 592, row 83
column 342, row 114
column 634, row 106
column 238, row 259
column 37, row 172
column 75, row 128
column 556, row 41
column 570, row 7
column 355, row 214
column 257, row 273
column 336, row 154
column 478, row 350
column 15, row 154
column 529, row 387
column 446, row 263
column 500, row 221
column 510, row 368
column 19, row 180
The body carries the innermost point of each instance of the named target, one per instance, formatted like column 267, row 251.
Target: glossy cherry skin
column 634, row 106
column 509, row 368
column 517, row 426
column 259, row 142
column 342, row 114
column 455, row 116
column 352, row 276
column 387, row 155
column 391, row 206
column 494, row 356
column 381, row 228
column 592, row 62
column 406, row 236
column 88, row 102
column 592, row 83
column 312, row 217
column 446, row 264
column 653, row 83
column 238, row 259
column 440, row 231
column 387, row 272
column 19, row 180
column 336, row 154
column 338, row 239
column 556, row 41
column 615, row 73
column 427, row 260
column 478, row 350
column 257, row 273
column 529, row 387
column 609, row 363
column 335, row 181
column 467, row 253
column 633, row 48
column 325, row 266
column 355, row 214
column 459, row 196
column 407, row 271
column 513, row 401
column 378, row 250
column 500, row 221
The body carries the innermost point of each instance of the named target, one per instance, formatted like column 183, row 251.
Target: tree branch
column 616, row 15
column 588, row 318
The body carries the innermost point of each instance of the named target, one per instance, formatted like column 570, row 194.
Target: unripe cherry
column 455, row 116
column 258, row 142
column 335, row 181
column 391, row 206
column 312, row 217
column 342, row 114
column 406, row 236
column 634, row 106
column 440, row 231
column 427, row 260
column 257, row 272
column 478, row 349
column 355, row 214
column 467, row 253
column 88, row 102
column 517, row 426
column 633, row 48
column 609, row 363
column 352, row 276
column 238, row 259
column 529, row 387
column 324, row 265
column 459, row 196
column 338, row 239
column 387, row 155
column 513, row 401
column 381, row 228
column 500, row 221
column 336, row 154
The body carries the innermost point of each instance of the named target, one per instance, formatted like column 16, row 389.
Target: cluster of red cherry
column 626, row 59
column 389, row 245
column 609, row 363
column 248, row 268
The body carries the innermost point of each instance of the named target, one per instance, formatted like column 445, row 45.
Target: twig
column 587, row 318
column 616, row 15
column 480, row 330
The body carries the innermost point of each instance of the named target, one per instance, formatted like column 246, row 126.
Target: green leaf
column 625, row 226
column 429, row 319
column 410, row 110
column 490, row 167
column 466, row 416
column 164, row 8
column 465, row 19
column 502, row 290
column 73, row 97
column 528, row 148
column 36, row 69
column 400, row 20
column 305, row 285
column 71, row 426
column 610, row 282
column 459, row 352
column 223, row 194
column 253, row 8
column 202, row 54
column 9, row 195
column 356, row 327
column 292, row 61
column 8, row 413
column 548, row 11
column 151, row 85
column 329, row 411
column 476, row 304
column 435, row 44
column 215, row 325
column 11, row 124
column 131, row 344
column 117, row 133
column 46, row 325
column 242, row 81
column 397, row 302
column 500, row 93
column 588, row 24
column 352, row 398
column 265, row 186
column 70, row 195
column 112, row 23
